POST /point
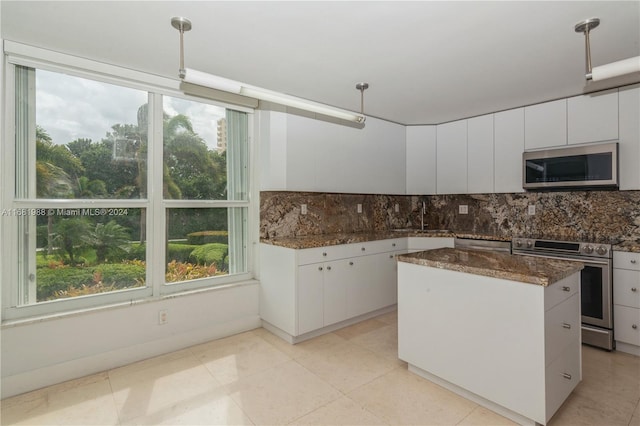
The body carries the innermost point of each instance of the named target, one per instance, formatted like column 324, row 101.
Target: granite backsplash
column 597, row 216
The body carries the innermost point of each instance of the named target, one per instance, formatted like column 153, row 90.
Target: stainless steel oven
column 595, row 282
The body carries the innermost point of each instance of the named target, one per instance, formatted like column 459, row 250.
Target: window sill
column 60, row 315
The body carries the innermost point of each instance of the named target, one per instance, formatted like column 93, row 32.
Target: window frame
column 155, row 204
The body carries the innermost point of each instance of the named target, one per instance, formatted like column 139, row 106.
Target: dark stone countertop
column 526, row 269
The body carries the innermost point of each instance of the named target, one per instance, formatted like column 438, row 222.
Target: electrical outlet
column 463, row 209
column 397, row 208
column 359, row 208
column 532, row 209
column 163, row 316
column 303, row 209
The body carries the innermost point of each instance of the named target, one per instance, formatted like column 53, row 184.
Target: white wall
column 44, row 352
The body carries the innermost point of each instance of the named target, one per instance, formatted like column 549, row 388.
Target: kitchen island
column 501, row 330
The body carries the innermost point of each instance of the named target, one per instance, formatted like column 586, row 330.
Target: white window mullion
column 156, row 216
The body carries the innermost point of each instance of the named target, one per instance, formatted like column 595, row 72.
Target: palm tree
column 109, row 238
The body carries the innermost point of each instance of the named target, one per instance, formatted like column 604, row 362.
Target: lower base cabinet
column 626, row 301
column 303, row 291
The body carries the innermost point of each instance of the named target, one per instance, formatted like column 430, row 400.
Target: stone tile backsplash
column 575, row 215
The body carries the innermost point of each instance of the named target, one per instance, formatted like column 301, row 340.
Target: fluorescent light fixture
column 200, row 78
column 603, row 72
column 616, row 69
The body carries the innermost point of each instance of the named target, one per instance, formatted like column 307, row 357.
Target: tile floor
column 349, row 377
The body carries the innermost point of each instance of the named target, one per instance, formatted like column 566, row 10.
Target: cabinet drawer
column 562, row 376
column 626, row 260
column 561, row 328
column 322, row 254
column 561, row 290
column 626, row 288
column 375, row 247
column 626, row 324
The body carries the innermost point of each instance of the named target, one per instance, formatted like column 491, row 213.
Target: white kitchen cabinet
column 475, row 334
column 545, row 125
column 629, row 137
column 451, row 157
column 309, row 291
column 626, row 301
column 383, row 157
column 480, row 166
column 592, row 117
column 324, row 156
column 421, row 160
column 508, row 149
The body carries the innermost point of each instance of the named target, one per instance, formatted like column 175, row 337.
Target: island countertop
column 526, row 269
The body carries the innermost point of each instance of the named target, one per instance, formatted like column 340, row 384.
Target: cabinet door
column 508, row 149
column 452, row 158
column 303, row 143
column 362, row 296
column 336, row 275
column 545, row 125
column 310, row 297
column 629, row 98
column 383, row 157
column 389, row 278
column 627, row 324
column 480, row 154
column 421, row 160
column 593, row 118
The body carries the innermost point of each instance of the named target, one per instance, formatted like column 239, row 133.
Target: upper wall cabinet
column 545, row 125
column 508, row 148
column 629, row 154
column 593, row 118
column 480, row 167
column 421, row 160
column 300, row 153
column 452, row 157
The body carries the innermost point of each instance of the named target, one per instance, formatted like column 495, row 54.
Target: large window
column 120, row 193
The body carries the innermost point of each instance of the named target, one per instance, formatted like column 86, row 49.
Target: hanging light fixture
column 362, row 87
column 200, row 78
column 614, row 69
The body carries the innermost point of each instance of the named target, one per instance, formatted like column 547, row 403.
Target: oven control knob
column 601, row 250
column 587, row 249
column 518, row 243
column 529, row 244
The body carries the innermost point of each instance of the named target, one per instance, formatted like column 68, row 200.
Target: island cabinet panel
column 491, row 339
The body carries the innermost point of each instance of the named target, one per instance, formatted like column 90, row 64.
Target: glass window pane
column 87, row 251
column 195, row 145
column 90, row 138
column 205, row 242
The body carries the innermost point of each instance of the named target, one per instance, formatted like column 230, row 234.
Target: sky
column 69, row 107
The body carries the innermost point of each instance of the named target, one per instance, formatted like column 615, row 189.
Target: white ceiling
column 426, row 62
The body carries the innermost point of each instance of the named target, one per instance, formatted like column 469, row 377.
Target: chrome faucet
column 422, row 213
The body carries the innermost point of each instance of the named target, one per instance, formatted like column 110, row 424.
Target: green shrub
column 179, row 252
column 205, row 237
column 52, row 282
column 137, row 251
column 210, row 253
column 120, row 275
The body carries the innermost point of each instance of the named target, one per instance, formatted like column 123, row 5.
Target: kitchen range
column 596, row 282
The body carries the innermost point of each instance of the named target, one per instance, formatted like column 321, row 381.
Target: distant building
column 222, row 135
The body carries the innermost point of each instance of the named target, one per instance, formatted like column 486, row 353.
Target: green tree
column 109, row 238
column 72, row 235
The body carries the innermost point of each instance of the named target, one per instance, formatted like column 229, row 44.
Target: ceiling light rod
column 200, row 78
column 362, row 87
column 614, row 69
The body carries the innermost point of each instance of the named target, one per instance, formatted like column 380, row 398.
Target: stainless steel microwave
column 574, row 167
